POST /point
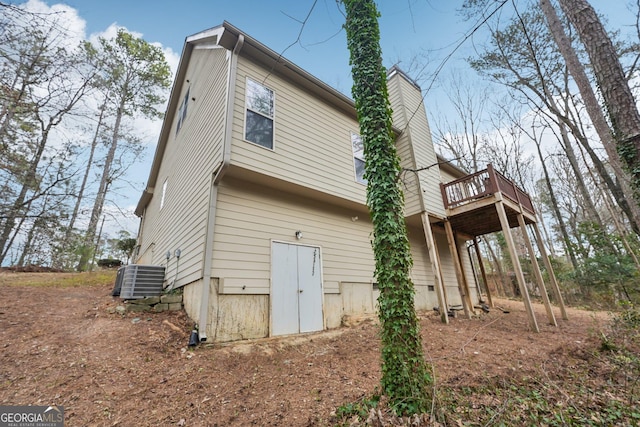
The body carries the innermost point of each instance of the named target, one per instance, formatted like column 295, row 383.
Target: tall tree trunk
column 556, row 211
column 624, row 235
column 105, row 180
column 19, row 203
column 547, row 237
column 85, row 178
column 562, row 117
column 405, row 374
column 497, row 265
column 614, row 187
column 589, row 207
column 28, row 241
column 13, row 100
column 87, row 171
column 619, row 102
column 593, row 109
column 21, row 220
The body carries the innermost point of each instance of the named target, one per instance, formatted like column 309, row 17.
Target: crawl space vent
column 139, row 281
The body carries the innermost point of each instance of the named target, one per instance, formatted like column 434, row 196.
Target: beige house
column 255, row 202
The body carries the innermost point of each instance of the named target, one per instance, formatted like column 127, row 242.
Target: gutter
column 213, row 192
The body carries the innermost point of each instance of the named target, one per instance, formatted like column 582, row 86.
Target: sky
column 307, row 32
column 408, row 27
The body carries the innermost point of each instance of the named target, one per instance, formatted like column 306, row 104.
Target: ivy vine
column 406, row 378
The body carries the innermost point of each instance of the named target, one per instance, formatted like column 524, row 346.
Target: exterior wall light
column 298, row 234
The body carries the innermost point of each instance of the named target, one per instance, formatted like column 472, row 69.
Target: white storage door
column 296, row 289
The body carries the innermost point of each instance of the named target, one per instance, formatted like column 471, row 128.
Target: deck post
column 483, row 272
column 552, row 277
column 435, row 267
column 504, row 222
column 536, row 271
column 463, row 287
column 493, row 179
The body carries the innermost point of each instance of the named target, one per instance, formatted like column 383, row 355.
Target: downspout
column 213, row 192
column 136, row 253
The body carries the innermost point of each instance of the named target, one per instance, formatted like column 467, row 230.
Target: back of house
column 255, row 202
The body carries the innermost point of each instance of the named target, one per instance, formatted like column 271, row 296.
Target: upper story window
column 358, row 157
column 260, row 103
column 182, row 111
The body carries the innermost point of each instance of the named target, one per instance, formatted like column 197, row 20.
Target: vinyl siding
column 448, row 269
column 405, row 151
column 249, row 217
column 468, row 270
column 446, row 177
column 312, row 139
column 312, row 154
column 189, row 160
column 421, row 273
column 407, row 104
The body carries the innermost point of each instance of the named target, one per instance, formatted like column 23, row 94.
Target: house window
column 164, row 192
column 259, row 114
column 182, row 111
column 358, row 157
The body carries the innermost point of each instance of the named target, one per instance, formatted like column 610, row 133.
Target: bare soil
column 63, row 346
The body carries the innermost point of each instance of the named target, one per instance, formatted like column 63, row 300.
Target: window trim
column 182, row 110
column 355, row 157
column 272, row 118
column 164, row 192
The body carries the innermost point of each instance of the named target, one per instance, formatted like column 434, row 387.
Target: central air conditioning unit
column 138, row 281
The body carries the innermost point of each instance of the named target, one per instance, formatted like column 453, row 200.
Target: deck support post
column 536, row 271
column 463, row 286
column 506, row 229
column 435, row 267
column 552, row 277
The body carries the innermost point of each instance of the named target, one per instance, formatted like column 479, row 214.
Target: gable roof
column 226, row 36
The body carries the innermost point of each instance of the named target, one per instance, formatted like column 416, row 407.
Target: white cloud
column 110, row 33
column 147, row 130
column 173, row 58
column 65, row 16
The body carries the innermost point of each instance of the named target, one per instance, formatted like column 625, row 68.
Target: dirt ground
column 62, row 346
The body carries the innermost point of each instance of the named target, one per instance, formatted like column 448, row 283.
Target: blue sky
column 406, row 27
column 409, row 28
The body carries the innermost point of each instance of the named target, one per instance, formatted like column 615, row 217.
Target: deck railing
column 481, row 184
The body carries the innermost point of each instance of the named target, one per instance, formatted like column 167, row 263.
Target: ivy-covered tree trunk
column 405, row 374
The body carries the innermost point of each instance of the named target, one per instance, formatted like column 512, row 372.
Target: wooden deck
column 470, row 202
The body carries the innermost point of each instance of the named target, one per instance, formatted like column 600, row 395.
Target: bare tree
column 619, row 102
column 523, row 57
column 39, row 93
column 461, row 137
column 591, row 103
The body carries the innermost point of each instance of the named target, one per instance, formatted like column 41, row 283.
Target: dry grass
column 58, row 280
